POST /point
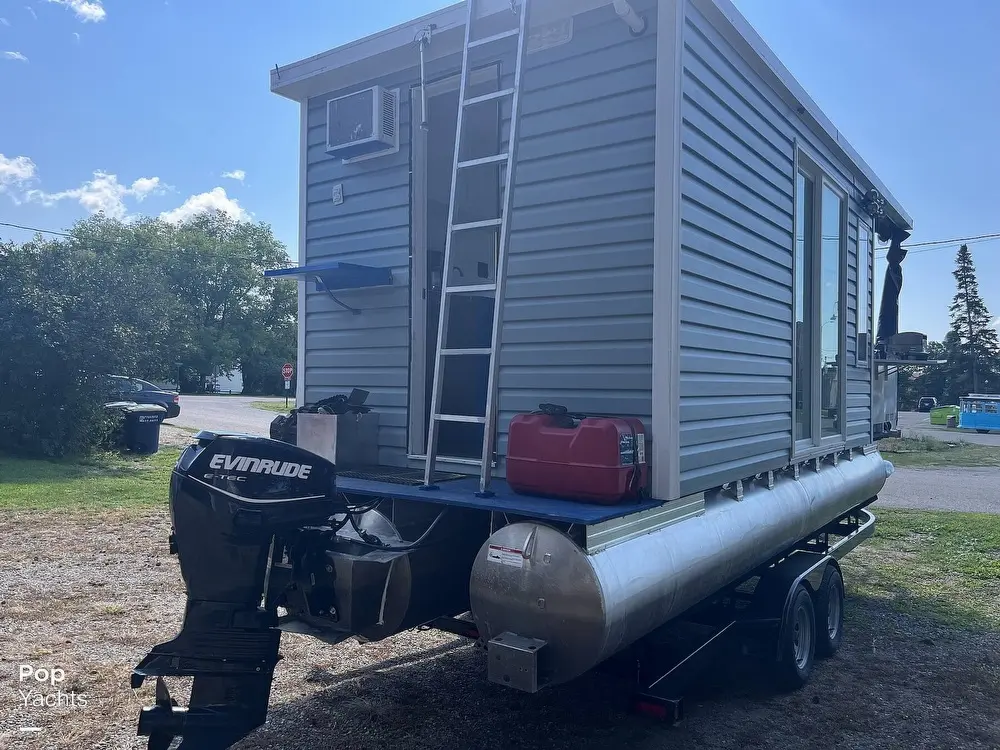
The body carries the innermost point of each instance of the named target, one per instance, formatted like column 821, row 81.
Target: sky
column 163, row 108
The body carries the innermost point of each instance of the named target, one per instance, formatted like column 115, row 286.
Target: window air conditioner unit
column 363, row 124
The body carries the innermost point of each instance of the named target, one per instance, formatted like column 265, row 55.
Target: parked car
column 926, row 403
column 142, row 392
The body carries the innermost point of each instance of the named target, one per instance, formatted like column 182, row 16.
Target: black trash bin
column 140, row 425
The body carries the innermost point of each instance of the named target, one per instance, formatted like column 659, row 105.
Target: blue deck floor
column 462, row 493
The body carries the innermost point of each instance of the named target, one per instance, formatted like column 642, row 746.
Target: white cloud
column 31, row 11
column 15, row 56
column 15, row 174
column 4, row 21
column 76, row 35
column 15, row 170
column 236, row 174
column 214, row 200
column 85, row 10
column 103, row 193
column 146, row 186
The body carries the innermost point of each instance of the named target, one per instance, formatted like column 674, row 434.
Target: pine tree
column 972, row 343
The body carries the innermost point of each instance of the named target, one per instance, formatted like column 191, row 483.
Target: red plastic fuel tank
column 595, row 459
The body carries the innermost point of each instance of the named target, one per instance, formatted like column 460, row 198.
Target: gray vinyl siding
column 738, row 154
column 371, row 227
column 578, row 312
column 578, row 315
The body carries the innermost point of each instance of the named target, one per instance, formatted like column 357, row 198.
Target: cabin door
column 474, row 255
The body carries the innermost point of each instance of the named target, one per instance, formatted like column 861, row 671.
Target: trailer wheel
column 830, row 613
column 797, row 646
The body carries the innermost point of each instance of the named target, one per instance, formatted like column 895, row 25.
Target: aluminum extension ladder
column 500, row 224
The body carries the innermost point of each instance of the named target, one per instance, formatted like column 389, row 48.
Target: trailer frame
column 735, row 614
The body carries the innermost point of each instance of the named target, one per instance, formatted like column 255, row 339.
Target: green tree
column 973, row 349
column 133, row 298
column 69, row 315
column 204, row 278
column 232, row 311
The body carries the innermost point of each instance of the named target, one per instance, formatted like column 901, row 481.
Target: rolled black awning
column 888, row 316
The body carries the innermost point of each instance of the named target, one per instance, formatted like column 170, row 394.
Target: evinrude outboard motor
column 259, row 526
column 229, row 497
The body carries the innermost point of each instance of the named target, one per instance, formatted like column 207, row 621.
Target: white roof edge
column 345, row 65
column 287, row 81
column 290, row 81
column 786, row 80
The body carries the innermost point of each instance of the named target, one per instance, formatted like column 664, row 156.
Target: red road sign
column 286, row 371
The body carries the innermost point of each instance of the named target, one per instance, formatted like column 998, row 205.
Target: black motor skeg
column 229, row 496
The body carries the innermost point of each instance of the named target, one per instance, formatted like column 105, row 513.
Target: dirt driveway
column 91, row 595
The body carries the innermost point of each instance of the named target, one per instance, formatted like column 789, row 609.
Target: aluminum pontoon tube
column 588, row 607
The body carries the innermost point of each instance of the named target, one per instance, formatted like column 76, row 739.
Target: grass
column 278, row 406
column 930, row 453
column 940, row 564
column 106, row 482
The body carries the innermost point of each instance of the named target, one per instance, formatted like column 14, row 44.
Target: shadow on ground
column 898, row 682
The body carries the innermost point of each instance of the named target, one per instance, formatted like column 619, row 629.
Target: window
column 864, row 291
column 831, row 353
column 803, row 338
column 819, row 302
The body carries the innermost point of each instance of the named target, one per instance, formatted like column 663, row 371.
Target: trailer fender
column 775, row 590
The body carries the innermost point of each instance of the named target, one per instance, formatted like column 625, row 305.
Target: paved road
column 965, row 489
column 918, row 424
column 226, row 413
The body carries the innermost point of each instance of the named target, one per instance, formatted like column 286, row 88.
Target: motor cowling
column 230, row 495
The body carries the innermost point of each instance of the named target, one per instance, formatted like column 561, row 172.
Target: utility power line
column 123, row 245
column 923, row 247
column 955, row 242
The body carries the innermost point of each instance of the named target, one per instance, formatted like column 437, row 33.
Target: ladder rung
column 494, row 159
column 464, row 352
column 495, row 38
column 460, row 418
column 489, row 97
column 477, row 225
column 470, row 288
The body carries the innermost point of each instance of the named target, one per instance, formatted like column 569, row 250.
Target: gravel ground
column 966, row 489
column 226, row 413
column 91, row 595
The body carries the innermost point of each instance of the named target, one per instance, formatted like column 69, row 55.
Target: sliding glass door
column 819, row 300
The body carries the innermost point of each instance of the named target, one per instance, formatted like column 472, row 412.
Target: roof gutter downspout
column 636, row 23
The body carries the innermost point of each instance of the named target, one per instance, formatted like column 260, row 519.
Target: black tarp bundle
column 888, row 316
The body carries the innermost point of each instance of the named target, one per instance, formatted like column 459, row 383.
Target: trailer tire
column 797, row 642
column 830, row 613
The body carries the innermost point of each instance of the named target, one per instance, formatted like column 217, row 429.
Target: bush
column 67, row 319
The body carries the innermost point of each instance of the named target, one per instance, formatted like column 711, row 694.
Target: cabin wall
column 578, row 315
column 738, row 167
column 372, row 227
